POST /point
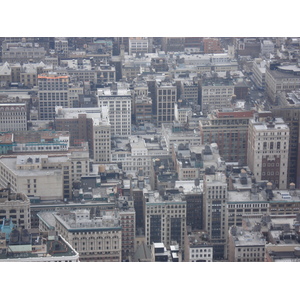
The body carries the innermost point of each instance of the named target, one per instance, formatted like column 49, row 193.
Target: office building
column 13, row 117
column 281, row 77
column 259, row 73
column 53, row 90
column 246, row 245
column 289, row 111
column 215, row 220
column 139, row 45
column 164, row 103
column 268, row 144
column 229, row 129
column 198, row 248
column 118, row 100
column 216, row 93
column 165, row 219
column 15, row 206
column 42, row 176
column 95, row 239
column 87, row 125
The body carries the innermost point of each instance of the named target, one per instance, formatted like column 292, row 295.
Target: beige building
column 48, row 177
column 246, row 245
column 216, row 93
column 268, row 146
column 15, row 206
column 281, row 78
column 165, row 219
column 95, row 239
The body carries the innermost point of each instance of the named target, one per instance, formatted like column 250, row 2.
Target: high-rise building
column 164, row 103
column 165, row 219
column 268, row 148
column 118, row 100
column 289, row 111
column 53, row 90
column 215, row 201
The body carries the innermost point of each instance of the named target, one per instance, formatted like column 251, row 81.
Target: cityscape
column 149, row 149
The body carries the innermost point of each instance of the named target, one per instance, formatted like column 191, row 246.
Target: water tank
column 25, row 237
column 14, row 236
column 297, row 251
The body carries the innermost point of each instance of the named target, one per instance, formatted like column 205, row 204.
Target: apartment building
column 268, row 147
column 53, row 90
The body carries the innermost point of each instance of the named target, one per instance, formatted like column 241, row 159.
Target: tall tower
column 214, row 200
column 268, row 148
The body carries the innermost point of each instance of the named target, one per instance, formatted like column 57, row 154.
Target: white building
column 136, row 158
column 138, row 45
column 118, row 100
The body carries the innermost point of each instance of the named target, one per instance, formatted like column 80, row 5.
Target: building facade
column 268, row 147
column 53, row 90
